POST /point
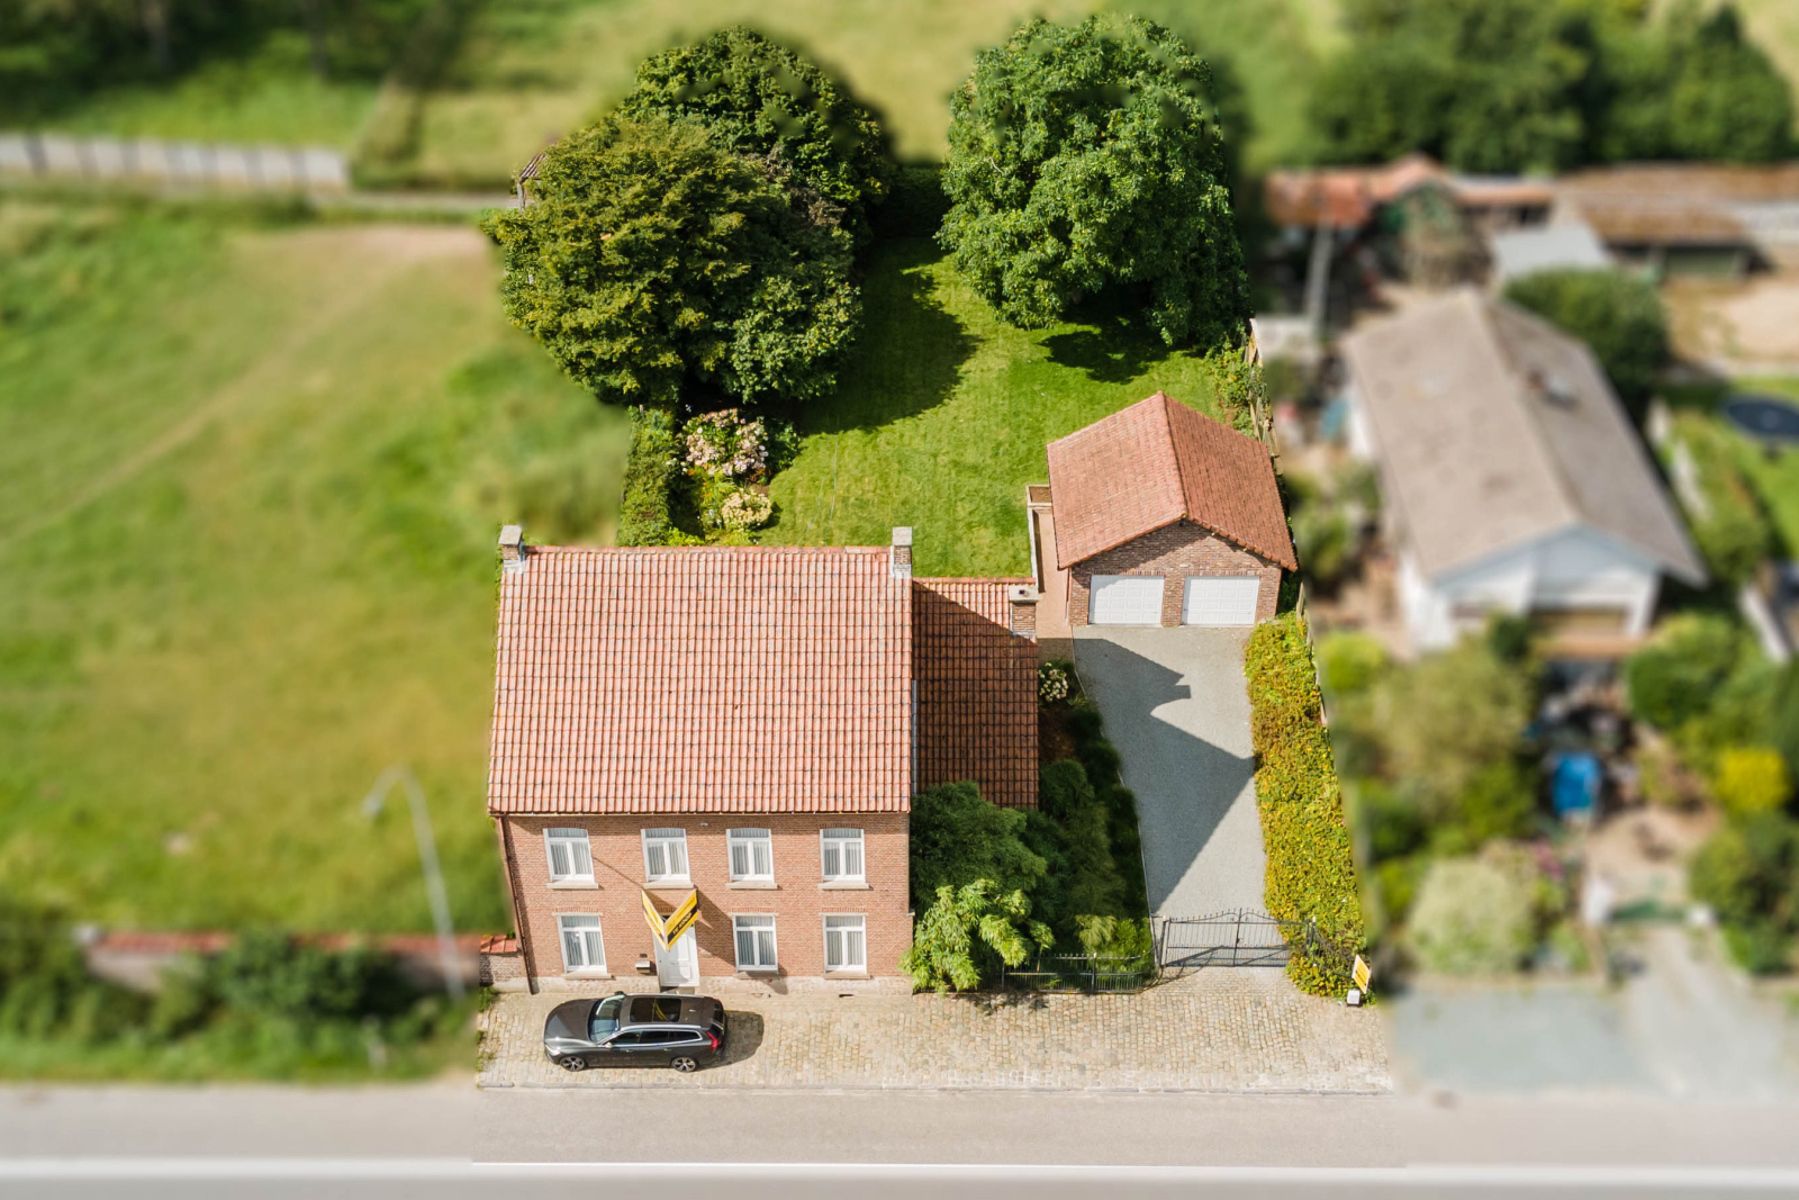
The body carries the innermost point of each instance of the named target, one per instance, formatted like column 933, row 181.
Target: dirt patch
column 1751, row 320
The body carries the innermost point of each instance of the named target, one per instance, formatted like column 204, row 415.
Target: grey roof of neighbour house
column 1552, row 247
column 1495, row 429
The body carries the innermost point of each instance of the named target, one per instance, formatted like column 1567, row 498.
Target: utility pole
column 402, row 776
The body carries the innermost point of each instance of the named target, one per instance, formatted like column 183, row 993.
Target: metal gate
column 1236, row 937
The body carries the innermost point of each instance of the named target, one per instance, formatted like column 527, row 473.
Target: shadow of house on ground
column 910, row 354
column 1175, row 706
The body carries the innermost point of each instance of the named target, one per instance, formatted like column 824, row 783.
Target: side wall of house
column 798, row 898
column 1174, row 552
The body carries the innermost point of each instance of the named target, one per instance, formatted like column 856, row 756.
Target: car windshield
column 605, row 1019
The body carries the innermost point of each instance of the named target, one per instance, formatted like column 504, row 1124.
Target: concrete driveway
column 1176, row 707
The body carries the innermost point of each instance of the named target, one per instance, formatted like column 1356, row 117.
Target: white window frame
column 842, row 837
column 845, row 968
column 599, row 936
column 570, row 837
column 663, row 838
column 748, row 838
column 761, row 922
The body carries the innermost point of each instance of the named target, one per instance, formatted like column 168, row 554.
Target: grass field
column 269, row 94
column 250, row 480
column 943, row 414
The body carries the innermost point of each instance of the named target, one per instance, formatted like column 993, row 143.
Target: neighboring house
column 1566, row 246
column 741, row 728
column 1157, row 515
column 1358, row 199
column 1692, row 219
column 1514, row 481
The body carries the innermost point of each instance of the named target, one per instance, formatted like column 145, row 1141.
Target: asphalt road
column 452, row 1141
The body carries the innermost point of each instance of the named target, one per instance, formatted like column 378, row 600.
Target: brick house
column 741, row 728
column 1158, row 515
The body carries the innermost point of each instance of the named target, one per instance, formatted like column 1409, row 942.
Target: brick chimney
column 512, row 548
column 1021, row 609
column 899, row 554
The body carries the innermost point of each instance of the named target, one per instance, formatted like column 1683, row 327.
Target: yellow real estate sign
column 668, row 930
column 1361, row 972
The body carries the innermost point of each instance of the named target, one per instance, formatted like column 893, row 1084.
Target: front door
column 679, row 965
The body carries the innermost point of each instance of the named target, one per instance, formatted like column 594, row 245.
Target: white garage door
column 1126, row 600
column 1220, row 600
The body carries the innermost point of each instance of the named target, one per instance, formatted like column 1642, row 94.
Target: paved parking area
column 1176, row 707
column 1244, row 1030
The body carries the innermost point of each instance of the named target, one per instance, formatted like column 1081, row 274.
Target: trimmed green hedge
column 1311, row 866
column 651, row 473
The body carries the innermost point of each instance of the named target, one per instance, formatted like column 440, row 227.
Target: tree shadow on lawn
column 911, row 352
column 1107, row 344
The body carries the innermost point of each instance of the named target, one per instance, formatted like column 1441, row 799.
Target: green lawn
column 250, row 481
column 1774, row 477
column 943, row 414
column 269, row 94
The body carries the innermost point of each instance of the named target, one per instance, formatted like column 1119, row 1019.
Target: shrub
column 1086, row 158
column 958, row 838
column 651, row 471
column 1071, row 831
column 1617, row 314
column 965, row 930
column 1751, row 780
column 744, row 510
column 1472, row 916
column 1350, row 662
column 1499, row 803
column 1733, row 532
column 1761, row 948
column 770, row 103
column 726, row 445
column 1746, row 871
column 1053, row 682
column 1311, row 868
column 272, row 974
column 653, row 258
column 1675, row 676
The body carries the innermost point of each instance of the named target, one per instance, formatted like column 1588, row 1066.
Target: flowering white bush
column 728, row 445
column 745, row 510
column 1052, row 682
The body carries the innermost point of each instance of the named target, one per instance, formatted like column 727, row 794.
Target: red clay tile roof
column 1158, row 462
column 702, row 679
column 977, row 689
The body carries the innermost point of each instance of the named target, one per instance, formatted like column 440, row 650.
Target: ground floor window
column 582, row 948
column 755, row 942
column 846, row 942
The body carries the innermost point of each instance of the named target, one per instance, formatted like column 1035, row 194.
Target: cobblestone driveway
column 1220, row 1030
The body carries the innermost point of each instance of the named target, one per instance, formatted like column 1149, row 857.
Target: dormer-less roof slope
column 715, row 679
column 1156, row 463
column 1496, row 429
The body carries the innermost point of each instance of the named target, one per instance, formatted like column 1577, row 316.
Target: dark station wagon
column 623, row 1030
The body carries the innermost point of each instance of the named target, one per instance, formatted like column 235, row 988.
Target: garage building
column 1161, row 516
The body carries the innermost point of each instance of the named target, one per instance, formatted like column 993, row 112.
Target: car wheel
column 683, row 1063
column 573, row 1062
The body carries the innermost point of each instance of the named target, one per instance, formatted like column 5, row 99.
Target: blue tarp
column 1574, row 784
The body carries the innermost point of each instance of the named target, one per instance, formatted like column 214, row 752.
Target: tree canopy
column 653, row 257
column 1512, row 85
column 1618, row 315
column 1084, row 159
column 769, row 102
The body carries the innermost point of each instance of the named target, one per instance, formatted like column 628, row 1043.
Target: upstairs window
column 842, row 855
column 752, row 855
column 571, row 858
column 665, row 855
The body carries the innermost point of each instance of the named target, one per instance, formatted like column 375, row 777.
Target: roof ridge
column 1174, row 452
column 1487, row 312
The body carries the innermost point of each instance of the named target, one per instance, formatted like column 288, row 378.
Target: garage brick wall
column 1175, row 552
column 798, row 900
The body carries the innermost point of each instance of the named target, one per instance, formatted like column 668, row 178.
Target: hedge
column 651, row 473
column 1311, row 874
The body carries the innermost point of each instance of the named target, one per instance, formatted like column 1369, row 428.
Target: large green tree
column 768, row 101
column 653, row 259
column 1619, row 315
column 1085, row 159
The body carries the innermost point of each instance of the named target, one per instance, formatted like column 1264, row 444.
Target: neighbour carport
column 1175, row 705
